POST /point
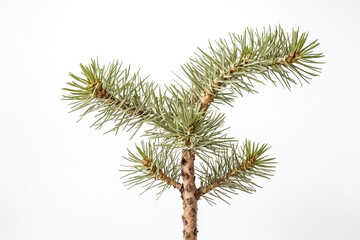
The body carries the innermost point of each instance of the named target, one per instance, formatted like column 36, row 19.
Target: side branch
column 159, row 174
column 113, row 93
column 101, row 93
column 239, row 68
column 231, row 67
column 153, row 166
column 234, row 169
column 240, row 169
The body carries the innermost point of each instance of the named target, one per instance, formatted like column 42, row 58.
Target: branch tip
column 292, row 57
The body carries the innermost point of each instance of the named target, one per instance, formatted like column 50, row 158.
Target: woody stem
column 189, row 195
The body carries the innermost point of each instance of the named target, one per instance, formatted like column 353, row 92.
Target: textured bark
column 189, row 195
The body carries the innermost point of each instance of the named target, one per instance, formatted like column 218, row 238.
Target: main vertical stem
column 189, row 195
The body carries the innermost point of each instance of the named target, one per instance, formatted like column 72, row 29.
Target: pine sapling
column 180, row 118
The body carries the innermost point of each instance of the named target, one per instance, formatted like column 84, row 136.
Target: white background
column 60, row 180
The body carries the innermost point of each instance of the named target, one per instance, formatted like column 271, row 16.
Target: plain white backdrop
column 59, row 179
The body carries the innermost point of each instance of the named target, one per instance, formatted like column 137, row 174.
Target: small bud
column 146, row 162
column 292, row 57
column 191, row 129
column 233, row 172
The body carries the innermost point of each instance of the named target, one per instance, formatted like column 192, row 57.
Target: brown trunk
column 189, row 196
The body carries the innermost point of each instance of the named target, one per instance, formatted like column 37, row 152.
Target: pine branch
column 234, row 170
column 113, row 93
column 179, row 117
column 153, row 166
column 230, row 68
column 159, row 174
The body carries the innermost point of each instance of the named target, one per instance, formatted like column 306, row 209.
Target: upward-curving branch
column 234, row 66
